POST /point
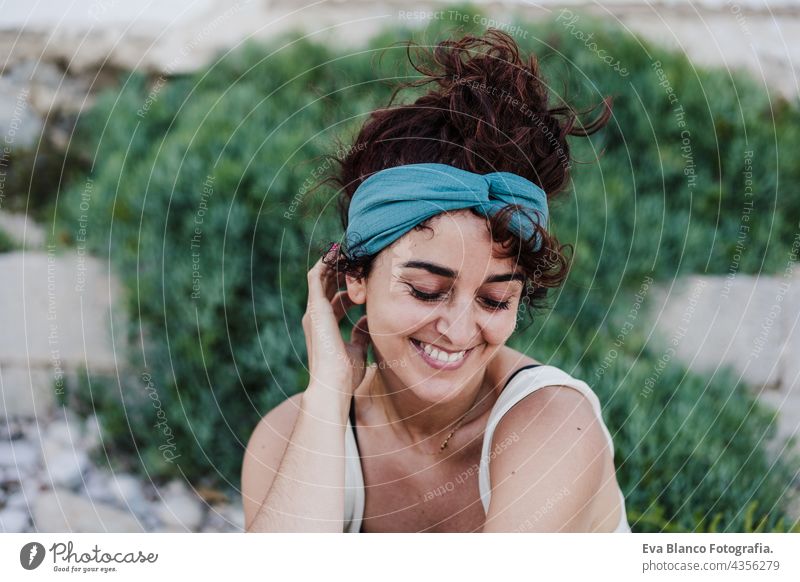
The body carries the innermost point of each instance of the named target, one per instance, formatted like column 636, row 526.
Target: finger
column 315, row 290
column 319, row 286
column 332, row 278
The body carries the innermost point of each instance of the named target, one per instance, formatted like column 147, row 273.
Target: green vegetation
column 7, row 243
column 199, row 181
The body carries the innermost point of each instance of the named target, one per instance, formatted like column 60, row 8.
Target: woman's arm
column 302, row 489
column 549, row 476
column 306, row 492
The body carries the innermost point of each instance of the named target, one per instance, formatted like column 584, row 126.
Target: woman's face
column 444, row 290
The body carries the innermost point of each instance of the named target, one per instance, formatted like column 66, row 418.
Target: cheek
column 392, row 319
column 500, row 326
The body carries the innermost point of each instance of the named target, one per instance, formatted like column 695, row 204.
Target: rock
column 234, row 516
column 66, row 468
column 24, row 392
column 32, row 429
column 92, row 434
column 788, row 422
column 791, row 331
column 17, row 500
column 66, row 322
column 180, row 507
column 63, row 511
column 11, row 476
column 22, row 230
column 169, row 529
column 19, row 454
column 224, row 517
column 746, row 323
column 20, row 126
column 127, row 492
column 12, row 428
column 97, row 486
column 14, row 520
column 151, row 522
column 719, row 321
column 65, row 432
column 51, row 90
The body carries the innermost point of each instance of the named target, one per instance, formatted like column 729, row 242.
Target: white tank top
column 522, row 382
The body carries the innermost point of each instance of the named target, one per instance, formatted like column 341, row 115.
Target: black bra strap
column 353, row 418
column 517, row 371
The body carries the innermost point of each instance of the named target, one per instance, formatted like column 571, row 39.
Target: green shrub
column 6, row 243
column 690, row 454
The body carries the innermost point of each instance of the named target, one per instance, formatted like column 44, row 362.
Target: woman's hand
column 331, row 361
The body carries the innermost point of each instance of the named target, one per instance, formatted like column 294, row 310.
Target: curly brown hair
column 487, row 112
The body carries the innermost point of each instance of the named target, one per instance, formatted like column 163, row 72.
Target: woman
column 445, row 210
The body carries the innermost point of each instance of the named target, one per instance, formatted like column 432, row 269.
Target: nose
column 457, row 325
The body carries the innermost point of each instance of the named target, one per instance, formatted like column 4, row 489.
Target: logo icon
column 31, row 555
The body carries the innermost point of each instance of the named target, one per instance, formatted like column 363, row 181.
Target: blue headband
column 391, row 202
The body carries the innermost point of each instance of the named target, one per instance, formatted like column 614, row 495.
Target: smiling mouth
column 440, row 358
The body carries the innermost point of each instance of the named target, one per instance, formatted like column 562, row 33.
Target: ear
column 356, row 289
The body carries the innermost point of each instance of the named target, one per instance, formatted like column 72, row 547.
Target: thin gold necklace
column 452, row 432
column 458, row 425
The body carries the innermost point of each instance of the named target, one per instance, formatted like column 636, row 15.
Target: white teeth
column 440, row 355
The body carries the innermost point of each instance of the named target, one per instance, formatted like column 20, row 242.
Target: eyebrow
column 451, row 274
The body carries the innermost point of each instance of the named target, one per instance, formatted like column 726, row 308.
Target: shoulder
column 264, row 452
column 550, row 468
column 277, row 420
column 505, row 363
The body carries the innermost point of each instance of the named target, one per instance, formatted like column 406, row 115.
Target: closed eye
column 429, row 297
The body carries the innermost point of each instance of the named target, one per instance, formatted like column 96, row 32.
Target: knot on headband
column 391, row 202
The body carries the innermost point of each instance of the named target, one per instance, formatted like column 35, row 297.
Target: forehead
column 459, row 240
